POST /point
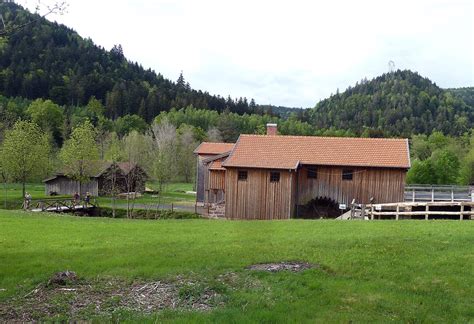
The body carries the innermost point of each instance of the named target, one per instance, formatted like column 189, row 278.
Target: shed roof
column 287, row 152
column 213, row 148
column 216, row 165
column 98, row 168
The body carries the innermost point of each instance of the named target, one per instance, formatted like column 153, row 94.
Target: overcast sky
column 290, row 53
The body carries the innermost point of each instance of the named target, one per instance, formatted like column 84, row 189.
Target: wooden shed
column 125, row 176
column 280, row 177
column 206, row 152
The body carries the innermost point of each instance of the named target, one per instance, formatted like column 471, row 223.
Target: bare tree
column 137, row 149
column 42, row 10
column 214, row 135
column 186, row 159
column 165, row 147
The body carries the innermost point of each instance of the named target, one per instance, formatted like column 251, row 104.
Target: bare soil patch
column 67, row 297
column 292, row 266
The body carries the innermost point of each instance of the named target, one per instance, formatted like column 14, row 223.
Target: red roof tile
column 213, row 148
column 216, row 165
column 286, row 152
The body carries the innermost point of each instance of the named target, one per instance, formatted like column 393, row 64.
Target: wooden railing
column 62, row 204
column 435, row 193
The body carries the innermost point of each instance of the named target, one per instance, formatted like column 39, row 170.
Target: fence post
column 432, row 194
column 461, row 214
column 427, row 211
column 398, row 211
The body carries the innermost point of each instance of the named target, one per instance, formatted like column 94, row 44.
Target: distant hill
column 466, row 94
column 280, row 111
column 400, row 103
column 49, row 60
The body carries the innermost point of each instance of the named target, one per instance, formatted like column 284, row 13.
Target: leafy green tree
column 79, row 154
column 49, row 117
column 128, row 123
column 25, row 153
column 421, row 172
column 446, row 167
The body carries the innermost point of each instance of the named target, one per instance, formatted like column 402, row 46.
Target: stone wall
column 217, row 210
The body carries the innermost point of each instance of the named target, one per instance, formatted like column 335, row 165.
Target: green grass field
column 406, row 271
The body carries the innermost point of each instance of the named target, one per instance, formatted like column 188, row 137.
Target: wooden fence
column 427, row 210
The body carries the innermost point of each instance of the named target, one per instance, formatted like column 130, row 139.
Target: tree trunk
column 23, row 187
column 5, row 191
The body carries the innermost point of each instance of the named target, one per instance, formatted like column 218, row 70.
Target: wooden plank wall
column 216, row 187
column 65, row 186
column 385, row 185
column 216, row 179
column 257, row 197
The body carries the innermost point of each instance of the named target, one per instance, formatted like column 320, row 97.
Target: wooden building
column 206, row 153
column 123, row 176
column 278, row 177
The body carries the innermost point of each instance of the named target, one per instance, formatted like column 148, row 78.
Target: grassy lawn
column 406, row 271
column 14, row 193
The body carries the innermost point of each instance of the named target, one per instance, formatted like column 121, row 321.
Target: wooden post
column 452, row 194
column 413, row 198
column 427, row 211
column 362, row 212
column 398, row 211
column 432, row 194
column 372, row 212
column 461, row 216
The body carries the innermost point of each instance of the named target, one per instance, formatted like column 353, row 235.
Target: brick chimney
column 271, row 129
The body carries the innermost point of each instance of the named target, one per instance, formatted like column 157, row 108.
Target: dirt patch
column 63, row 278
column 292, row 266
column 81, row 299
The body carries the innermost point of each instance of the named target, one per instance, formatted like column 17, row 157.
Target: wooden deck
column 62, row 205
column 427, row 193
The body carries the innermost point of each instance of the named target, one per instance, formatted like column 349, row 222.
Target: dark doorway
column 317, row 208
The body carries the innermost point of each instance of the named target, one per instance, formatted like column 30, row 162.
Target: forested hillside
column 401, row 103
column 51, row 61
column 466, row 94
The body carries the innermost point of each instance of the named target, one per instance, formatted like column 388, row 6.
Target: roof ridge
column 329, row 137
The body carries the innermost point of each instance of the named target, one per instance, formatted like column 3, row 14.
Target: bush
column 144, row 214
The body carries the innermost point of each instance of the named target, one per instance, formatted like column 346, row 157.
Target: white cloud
column 284, row 52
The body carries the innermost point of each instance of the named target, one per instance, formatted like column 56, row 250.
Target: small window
column 242, row 176
column 347, row 174
column 274, row 176
column 312, row 173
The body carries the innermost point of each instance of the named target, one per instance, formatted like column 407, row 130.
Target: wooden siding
column 214, row 196
column 384, row 185
column 215, row 187
column 257, row 197
column 216, row 179
column 66, row 186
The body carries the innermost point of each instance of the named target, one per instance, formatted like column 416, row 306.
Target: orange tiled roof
column 216, row 165
column 286, row 152
column 213, row 148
